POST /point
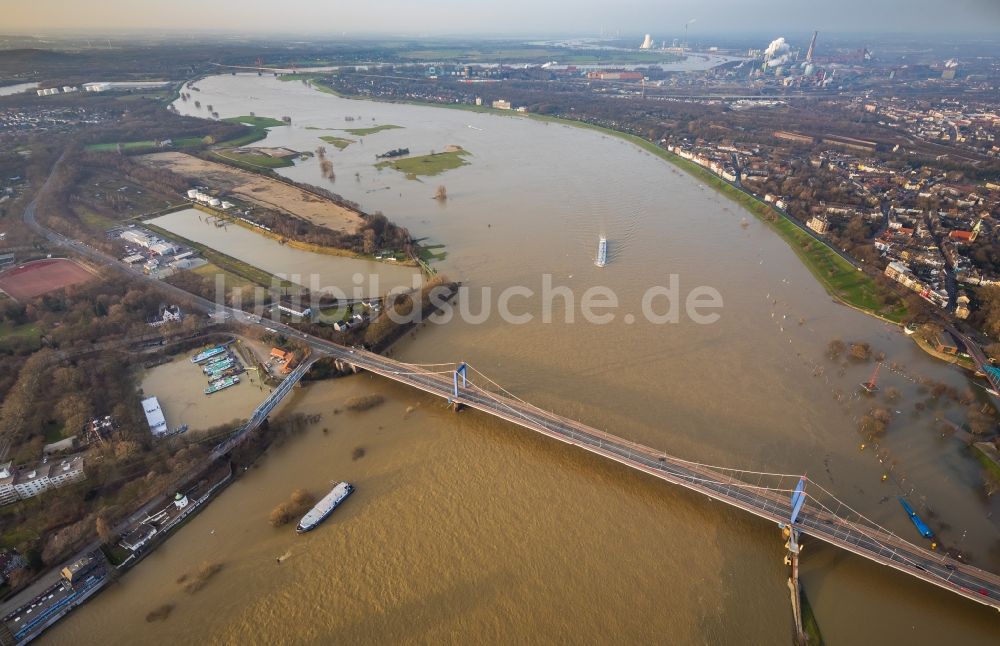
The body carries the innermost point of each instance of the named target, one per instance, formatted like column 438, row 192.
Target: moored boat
column 921, row 526
column 221, row 384
column 201, row 357
column 218, row 366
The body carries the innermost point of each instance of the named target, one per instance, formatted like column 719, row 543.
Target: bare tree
column 105, row 532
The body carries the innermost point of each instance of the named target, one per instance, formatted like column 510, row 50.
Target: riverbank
column 962, row 362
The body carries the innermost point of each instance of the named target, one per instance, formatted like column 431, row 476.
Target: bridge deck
column 868, row 541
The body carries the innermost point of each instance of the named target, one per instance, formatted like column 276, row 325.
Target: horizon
column 485, row 18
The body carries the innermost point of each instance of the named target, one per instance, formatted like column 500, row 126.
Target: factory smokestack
column 647, row 43
column 812, row 48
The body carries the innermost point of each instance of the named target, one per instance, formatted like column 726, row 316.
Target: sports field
column 42, row 276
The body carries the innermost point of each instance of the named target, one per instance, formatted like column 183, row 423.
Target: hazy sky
column 663, row 18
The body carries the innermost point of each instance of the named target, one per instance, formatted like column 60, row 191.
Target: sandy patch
column 256, row 189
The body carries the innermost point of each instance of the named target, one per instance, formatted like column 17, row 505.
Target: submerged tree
column 442, row 193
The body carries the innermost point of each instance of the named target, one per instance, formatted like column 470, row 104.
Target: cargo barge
column 602, row 252
column 324, row 507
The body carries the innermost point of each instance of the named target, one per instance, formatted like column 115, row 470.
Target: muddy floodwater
column 465, row 529
column 296, row 265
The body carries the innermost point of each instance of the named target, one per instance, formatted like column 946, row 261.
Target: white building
column 154, row 416
column 137, row 237
column 7, row 493
column 162, row 248
column 170, row 314
column 27, row 483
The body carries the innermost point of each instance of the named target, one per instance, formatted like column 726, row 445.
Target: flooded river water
column 465, row 529
column 295, row 265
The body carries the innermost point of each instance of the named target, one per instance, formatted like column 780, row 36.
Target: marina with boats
column 221, row 366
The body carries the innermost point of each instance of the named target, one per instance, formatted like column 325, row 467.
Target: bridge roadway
column 977, row 354
column 262, row 411
column 868, row 541
column 865, row 540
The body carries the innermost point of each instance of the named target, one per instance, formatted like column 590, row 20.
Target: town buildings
column 27, row 482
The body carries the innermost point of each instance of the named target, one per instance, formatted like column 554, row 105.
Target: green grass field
column 232, row 281
column 339, row 142
column 259, row 127
column 254, row 161
column 426, row 165
column 986, row 460
column 256, row 122
column 28, row 330
column 94, row 221
column 158, row 95
column 187, row 142
column 126, row 145
column 361, row 132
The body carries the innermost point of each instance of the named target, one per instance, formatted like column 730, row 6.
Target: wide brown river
column 465, row 529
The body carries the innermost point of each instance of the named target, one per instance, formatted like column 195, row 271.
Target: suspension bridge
column 991, row 372
column 791, row 501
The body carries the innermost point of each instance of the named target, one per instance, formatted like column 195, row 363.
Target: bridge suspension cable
column 860, row 522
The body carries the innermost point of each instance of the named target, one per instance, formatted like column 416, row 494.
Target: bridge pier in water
column 460, row 371
column 794, row 587
column 792, row 536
